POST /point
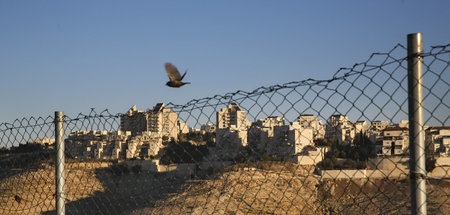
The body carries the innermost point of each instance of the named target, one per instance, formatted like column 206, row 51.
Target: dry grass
column 276, row 188
column 37, row 188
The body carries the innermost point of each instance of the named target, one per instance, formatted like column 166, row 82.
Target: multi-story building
column 228, row 139
column 291, row 140
column 163, row 121
column 269, row 122
column 266, row 126
column 360, row 127
column 134, row 121
column 97, row 144
column 160, row 120
column 145, row 145
column 395, row 141
column 231, row 131
column 310, row 121
column 340, row 129
column 183, row 127
column 375, row 134
column 112, row 145
column 261, row 132
column 272, row 136
column 232, row 117
column 438, row 140
column 208, row 128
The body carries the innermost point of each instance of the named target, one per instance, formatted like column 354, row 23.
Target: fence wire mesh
column 337, row 146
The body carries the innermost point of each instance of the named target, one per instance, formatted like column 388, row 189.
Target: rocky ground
column 264, row 188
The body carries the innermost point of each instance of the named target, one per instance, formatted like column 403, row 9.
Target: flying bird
column 174, row 76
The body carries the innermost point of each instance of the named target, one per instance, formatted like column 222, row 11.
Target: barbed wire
column 348, row 71
column 251, row 181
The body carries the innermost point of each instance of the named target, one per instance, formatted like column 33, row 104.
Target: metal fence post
column 416, row 125
column 60, row 176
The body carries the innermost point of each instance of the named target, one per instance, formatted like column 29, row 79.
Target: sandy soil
column 278, row 188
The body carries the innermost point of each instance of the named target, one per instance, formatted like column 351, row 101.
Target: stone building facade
column 232, row 116
column 395, row 141
column 261, row 132
column 112, row 144
column 310, row 121
column 339, row 128
column 97, row 144
column 438, row 140
column 160, row 120
column 231, row 132
column 272, row 136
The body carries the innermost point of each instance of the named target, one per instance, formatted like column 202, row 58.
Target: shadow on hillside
column 17, row 163
column 126, row 190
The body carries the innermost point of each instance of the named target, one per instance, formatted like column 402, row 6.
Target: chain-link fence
column 337, row 146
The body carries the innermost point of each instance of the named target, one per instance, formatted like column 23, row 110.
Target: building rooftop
column 234, row 106
column 395, row 129
column 158, row 107
column 273, row 117
column 439, row 127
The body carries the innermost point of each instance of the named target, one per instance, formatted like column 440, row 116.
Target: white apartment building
column 97, row 144
column 230, row 142
column 262, row 132
column 145, row 145
column 272, row 136
column 438, row 139
column 112, row 144
column 374, row 132
column 340, row 128
column 291, row 140
column 232, row 117
column 160, row 120
column 310, row 121
column 230, row 139
column 208, row 128
column 270, row 122
column 360, row 127
column 183, row 127
column 134, row 121
column 231, row 131
column 395, row 141
column 163, row 121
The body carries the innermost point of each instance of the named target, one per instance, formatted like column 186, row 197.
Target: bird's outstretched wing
column 172, row 72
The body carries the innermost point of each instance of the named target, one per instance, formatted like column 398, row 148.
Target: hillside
column 278, row 188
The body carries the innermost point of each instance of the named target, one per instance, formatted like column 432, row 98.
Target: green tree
column 165, row 138
column 321, row 142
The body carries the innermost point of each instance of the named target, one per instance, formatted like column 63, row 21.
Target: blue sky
column 74, row 55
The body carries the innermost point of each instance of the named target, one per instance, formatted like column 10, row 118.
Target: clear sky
column 74, row 55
